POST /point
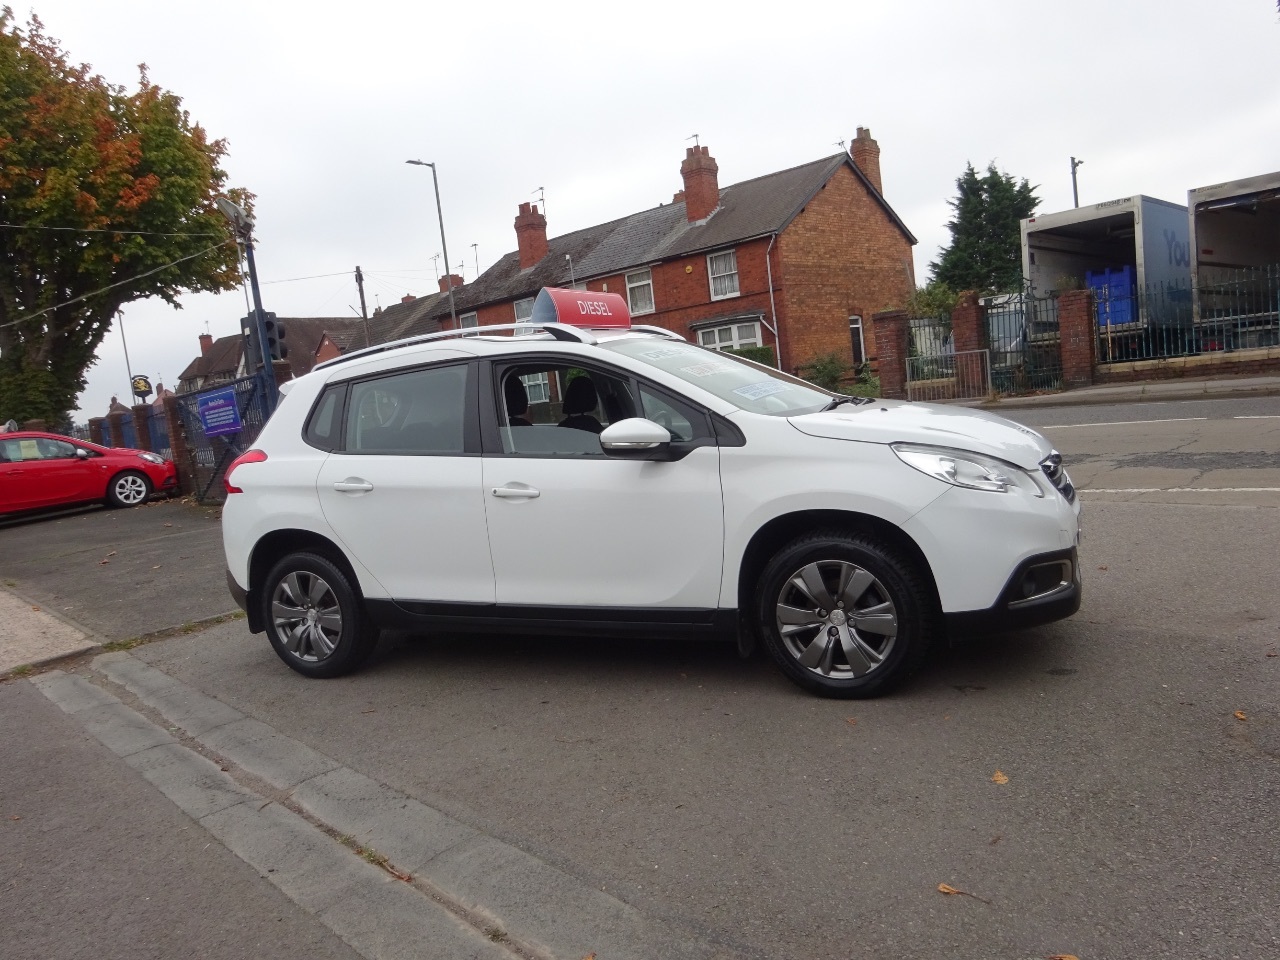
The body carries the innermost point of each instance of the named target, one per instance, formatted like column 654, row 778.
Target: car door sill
column 542, row 618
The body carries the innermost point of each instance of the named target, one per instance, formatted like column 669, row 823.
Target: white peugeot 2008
column 597, row 477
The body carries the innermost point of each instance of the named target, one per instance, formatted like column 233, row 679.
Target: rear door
column 402, row 489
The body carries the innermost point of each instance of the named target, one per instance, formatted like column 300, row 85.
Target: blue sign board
column 218, row 412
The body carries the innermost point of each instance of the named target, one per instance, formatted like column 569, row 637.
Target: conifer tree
column 986, row 247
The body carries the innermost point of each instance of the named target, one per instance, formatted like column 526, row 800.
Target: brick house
column 310, row 340
column 796, row 260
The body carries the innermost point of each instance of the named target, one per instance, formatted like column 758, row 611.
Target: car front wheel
column 844, row 615
column 128, row 489
column 314, row 619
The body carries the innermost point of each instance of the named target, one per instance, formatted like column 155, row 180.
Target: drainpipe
column 773, row 309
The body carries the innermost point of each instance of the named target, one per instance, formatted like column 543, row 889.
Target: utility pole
column 1075, row 194
column 364, row 313
column 127, row 368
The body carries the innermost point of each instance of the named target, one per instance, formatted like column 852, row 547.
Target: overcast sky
column 323, row 102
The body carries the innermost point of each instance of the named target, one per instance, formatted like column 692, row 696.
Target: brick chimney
column 450, row 280
column 206, row 344
column 531, row 235
column 866, row 154
column 408, row 298
column 701, row 183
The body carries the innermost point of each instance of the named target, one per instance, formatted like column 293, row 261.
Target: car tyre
column 128, row 489
column 314, row 619
column 845, row 615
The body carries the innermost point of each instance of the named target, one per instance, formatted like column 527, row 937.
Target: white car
column 616, row 479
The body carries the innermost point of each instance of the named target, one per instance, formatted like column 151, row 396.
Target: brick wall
column 1077, row 336
column 1263, row 361
column 891, row 328
column 841, row 256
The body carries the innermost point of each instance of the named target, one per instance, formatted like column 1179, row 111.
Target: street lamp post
column 453, row 312
column 1075, row 194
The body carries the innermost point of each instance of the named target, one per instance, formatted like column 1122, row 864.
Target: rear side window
column 413, row 413
column 322, row 428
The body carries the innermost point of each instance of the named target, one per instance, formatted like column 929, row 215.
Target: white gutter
column 773, row 309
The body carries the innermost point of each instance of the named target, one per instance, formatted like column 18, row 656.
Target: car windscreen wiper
column 837, row 400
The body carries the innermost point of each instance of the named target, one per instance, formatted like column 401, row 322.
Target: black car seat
column 579, row 400
column 517, row 398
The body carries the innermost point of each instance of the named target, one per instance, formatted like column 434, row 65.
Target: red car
column 39, row 470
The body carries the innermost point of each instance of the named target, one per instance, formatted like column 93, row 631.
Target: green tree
column 106, row 197
column 986, row 248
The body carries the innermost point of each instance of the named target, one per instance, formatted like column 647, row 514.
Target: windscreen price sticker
column 219, row 414
column 756, row 391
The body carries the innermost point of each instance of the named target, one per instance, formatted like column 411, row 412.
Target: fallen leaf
column 996, row 839
column 1239, row 715
column 1063, row 956
column 156, row 567
column 1272, row 653
column 112, row 553
column 37, row 609
column 101, row 562
column 368, row 711
column 999, row 777
column 1103, row 567
column 851, row 721
column 953, row 892
column 15, row 817
column 168, row 524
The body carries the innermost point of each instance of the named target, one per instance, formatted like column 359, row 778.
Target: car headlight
column 963, row 468
column 151, row 458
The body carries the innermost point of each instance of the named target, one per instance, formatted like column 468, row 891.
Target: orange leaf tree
column 99, row 185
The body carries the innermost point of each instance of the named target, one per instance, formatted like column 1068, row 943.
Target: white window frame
column 735, row 341
column 855, row 323
column 712, row 276
column 637, row 280
column 523, row 311
column 468, row 320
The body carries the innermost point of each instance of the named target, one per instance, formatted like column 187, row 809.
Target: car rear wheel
column 314, row 619
column 128, row 489
column 844, row 615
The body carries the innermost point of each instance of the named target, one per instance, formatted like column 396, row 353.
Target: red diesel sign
column 580, row 308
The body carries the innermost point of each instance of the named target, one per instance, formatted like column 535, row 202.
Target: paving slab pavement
column 30, row 636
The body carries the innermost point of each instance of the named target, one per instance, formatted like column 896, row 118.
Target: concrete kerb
column 35, row 637
column 494, row 884
column 1143, row 392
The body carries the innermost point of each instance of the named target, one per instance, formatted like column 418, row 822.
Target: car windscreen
column 741, row 382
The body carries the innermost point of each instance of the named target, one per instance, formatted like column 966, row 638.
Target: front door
column 403, row 489
column 570, row 527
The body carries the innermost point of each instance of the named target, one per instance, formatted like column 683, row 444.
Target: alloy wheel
column 836, row 619
column 131, row 489
column 307, row 616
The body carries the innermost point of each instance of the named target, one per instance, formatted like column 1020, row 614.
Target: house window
column 640, row 292
column 524, row 310
column 723, row 268
column 468, row 320
column 859, row 343
column 731, row 336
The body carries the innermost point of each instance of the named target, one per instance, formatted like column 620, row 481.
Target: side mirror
column 82, row 453
column 635, row 439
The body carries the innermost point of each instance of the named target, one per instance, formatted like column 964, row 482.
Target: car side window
column 681, row 420
column 325, row 424
column 55, row 449
column 554, row 409
column 418, row 412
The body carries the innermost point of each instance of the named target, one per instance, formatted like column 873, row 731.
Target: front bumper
column 1031, row 597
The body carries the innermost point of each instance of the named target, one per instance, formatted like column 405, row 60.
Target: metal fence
column 1233, row 309
column 1025, row 342
column 935, row 371
column 208, row 457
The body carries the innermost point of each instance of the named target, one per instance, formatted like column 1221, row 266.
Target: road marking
column 1180, row 489
column 1270, row 416
column 1118, row 423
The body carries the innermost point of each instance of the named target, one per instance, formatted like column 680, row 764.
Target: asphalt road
column 1140, row 741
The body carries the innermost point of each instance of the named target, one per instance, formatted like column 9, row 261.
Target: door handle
column 353, row 485
column 520, row 492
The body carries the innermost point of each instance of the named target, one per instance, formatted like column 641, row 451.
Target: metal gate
column 209, row 456
column 1025, row 343
column 936, row 372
